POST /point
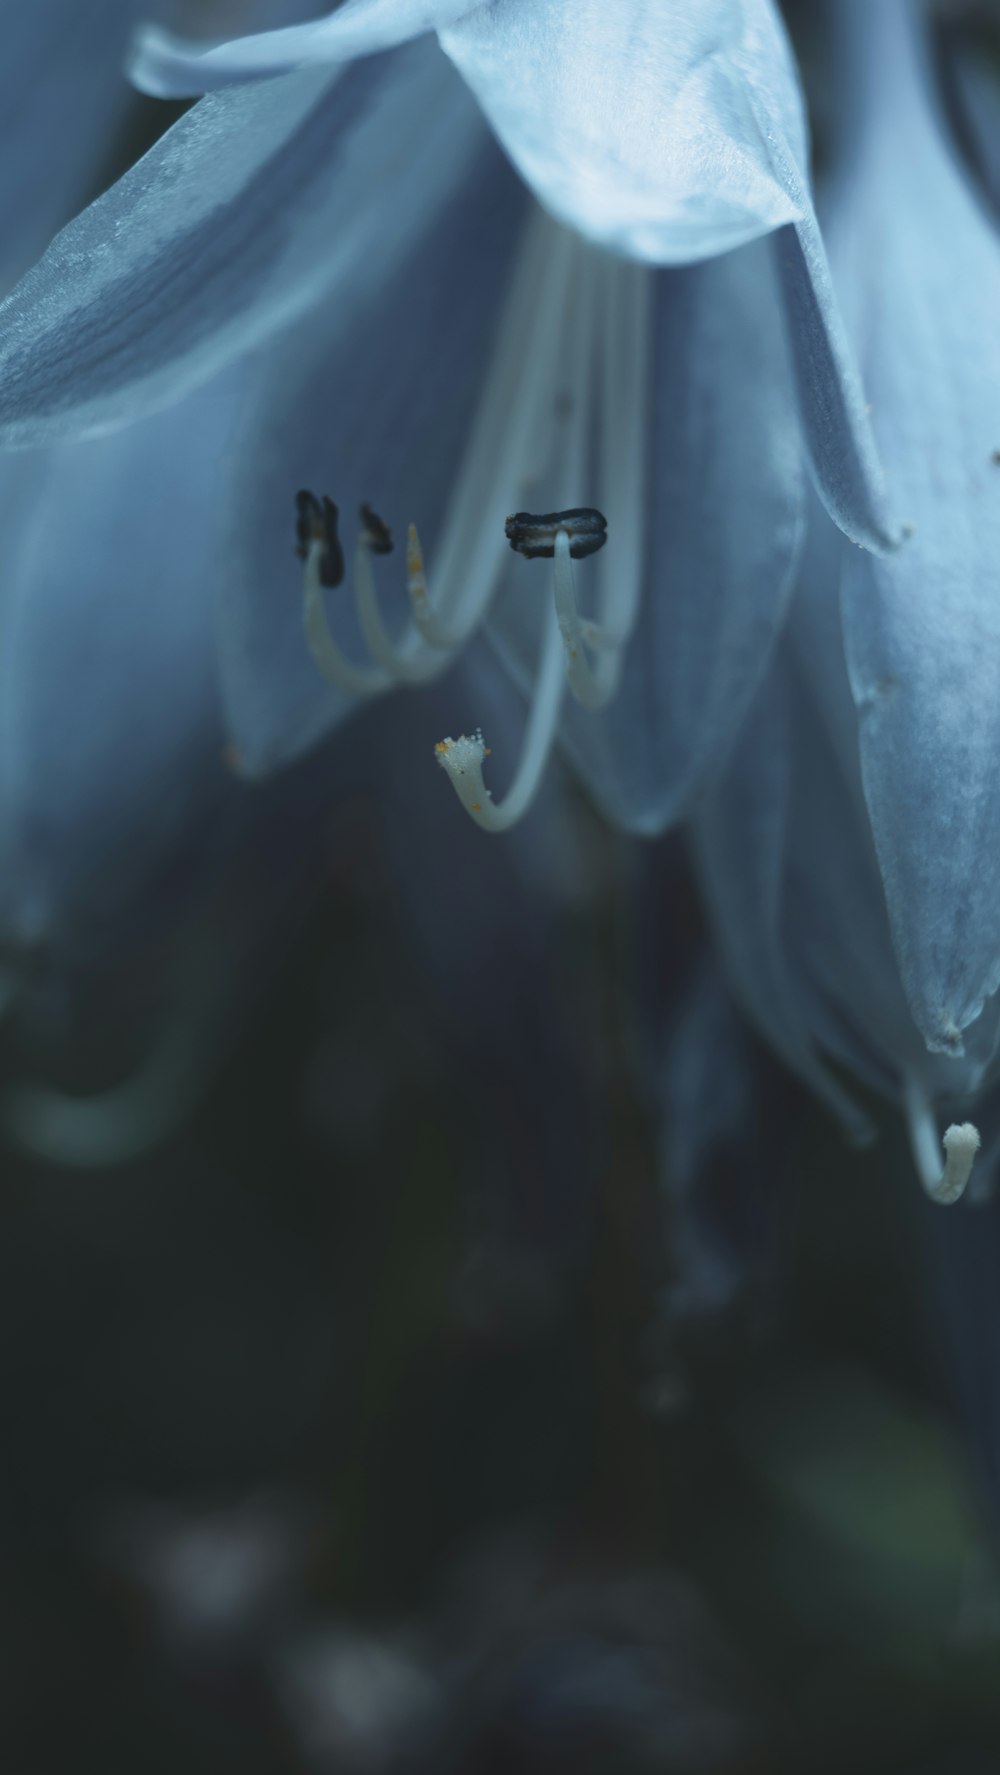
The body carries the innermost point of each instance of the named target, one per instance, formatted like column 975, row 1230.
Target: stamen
column 316, row 533
column 404, row 662
column 425, row 617
column 535, row 537
column 515, row 418
column 579, row 530
column 591, row 689
column 961, row 1143
column 318, row 523
column 377, row 535
column 570, row 317
column 515, row 414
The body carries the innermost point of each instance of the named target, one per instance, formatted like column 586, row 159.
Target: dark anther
column 306, row 516
column 316, row 522
column 378, row 534
column 535, row 535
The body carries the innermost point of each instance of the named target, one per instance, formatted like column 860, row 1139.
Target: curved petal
column 258, row 203
column 673, row 133
column 813, row 916
column 643, row 124
column 923, row 626
column 836, row 427
column 168, row 66
column 724, row 525
column 392, row 439
column 110, row 744
column 836, row 928
column 742, row 836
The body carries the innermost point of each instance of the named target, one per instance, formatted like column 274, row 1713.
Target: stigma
column 462, row 761
column 961, row 1142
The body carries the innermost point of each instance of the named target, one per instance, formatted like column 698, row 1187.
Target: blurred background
column 445, row 1383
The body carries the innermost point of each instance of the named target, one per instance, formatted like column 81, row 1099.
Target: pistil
column 961, row 1143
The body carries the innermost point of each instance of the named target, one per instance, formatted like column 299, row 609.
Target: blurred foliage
column 327, row 1448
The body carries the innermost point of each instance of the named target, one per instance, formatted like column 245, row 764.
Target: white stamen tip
column 961, row 1144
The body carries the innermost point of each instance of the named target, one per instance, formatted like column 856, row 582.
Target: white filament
column 571, row 348
column 961, row 1143
column 401, row 661
column 336, row 668
column 518, row 407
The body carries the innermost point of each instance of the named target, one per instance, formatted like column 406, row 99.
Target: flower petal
column 723, row 440
column 110, row 745
column 923, row 626
column 836, row 428
column 259, row 202
column 393, row 439
column 830, row 936
column 742, row 842
column 673, row 133
column 174, row 67
column 644, row 124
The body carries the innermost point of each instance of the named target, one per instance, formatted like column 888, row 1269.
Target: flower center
column 564, row 398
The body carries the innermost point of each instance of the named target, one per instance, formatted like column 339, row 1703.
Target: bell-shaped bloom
column 922, row 626
column 469, row 355
column 461, row 402
column 796, row 897
column 472, row 357
column 861, row 820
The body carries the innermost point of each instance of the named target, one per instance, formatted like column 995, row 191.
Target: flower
column 922, row 631
column 797, row 904
column 848, row 854
column 461, row 343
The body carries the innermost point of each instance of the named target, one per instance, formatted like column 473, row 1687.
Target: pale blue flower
column 465, row 352
column 850, row 855
column 794, row 891
column 923, row 629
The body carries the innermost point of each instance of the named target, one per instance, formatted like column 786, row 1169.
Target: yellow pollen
column 414, row 555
